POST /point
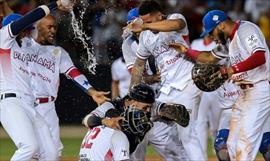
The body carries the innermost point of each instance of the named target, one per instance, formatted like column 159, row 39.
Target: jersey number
column 92, row 134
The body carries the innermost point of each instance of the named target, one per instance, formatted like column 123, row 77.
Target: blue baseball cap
column 132, row 14
column 14, row 17
column 211, row 20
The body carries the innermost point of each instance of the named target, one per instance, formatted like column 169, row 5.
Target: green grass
column 72, row 147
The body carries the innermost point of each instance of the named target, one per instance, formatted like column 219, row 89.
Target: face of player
column 141, row 106
column 47, row 29
column 152, row 17
column 218, row 34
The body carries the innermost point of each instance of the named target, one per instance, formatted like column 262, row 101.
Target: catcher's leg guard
column 265, row 146
column 221, row 145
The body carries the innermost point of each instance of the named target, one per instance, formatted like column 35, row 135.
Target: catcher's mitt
column 175, row 112
column 207, row 77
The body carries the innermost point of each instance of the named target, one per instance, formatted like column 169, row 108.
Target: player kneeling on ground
column 141, row 97
column 104, row 143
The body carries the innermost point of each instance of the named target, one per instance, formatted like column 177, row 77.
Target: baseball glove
column 207, row 77
column 175, row 112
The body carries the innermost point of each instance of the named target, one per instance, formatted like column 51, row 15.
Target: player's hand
column 151, row 79
column 98, row 96
column 224, row 72
column 178, row 47
column 112, row 122
column 136, row 25
column 65, row 5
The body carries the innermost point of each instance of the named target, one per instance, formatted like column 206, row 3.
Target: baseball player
column 141, row 97
column 249, row 58
column 47, row 62
column 150, row 76
column 18, row 116
column 129, row 48
column 104, row 143
column 208, row 114
column 176, row 83
column 120, row 78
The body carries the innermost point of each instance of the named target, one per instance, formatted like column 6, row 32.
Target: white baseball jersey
column 120, row 73
column 199, row 45
column 175, row 68
column 247, row 40
column 14, row 70
column 103, row 143
column 129, row 49
column 47, row 62
column 227, row 94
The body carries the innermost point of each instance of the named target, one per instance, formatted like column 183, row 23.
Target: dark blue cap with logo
column 14, row 17
column 132, row 14
column 211, row 20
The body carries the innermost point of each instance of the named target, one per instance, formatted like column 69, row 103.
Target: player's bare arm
column 163, row 26
column 115, row 89
column 92, row 120
column 151, row 79
column 98, row 96
column 137, row 71
column 198, row 56
column 4, row 9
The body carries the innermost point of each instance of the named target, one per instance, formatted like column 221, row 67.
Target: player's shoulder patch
column 252, row 40
column 56, row 51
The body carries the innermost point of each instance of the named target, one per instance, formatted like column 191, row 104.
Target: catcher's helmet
column 142, row 93
column 136, row 121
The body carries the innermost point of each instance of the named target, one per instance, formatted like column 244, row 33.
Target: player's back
column 99, row 144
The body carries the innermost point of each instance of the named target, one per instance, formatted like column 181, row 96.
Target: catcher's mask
column 202, row 77
column 136, row 121
column 142, row 93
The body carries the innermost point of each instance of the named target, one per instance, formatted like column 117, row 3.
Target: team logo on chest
column 35, row 59
column 161, row 49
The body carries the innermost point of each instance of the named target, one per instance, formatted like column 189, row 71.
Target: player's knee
column 29, row 149
column 51, row 154
column 265, row 146
column 221, row 145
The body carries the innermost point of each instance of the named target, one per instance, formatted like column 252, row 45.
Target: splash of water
column 89, row 61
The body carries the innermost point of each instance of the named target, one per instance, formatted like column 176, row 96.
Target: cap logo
column 215, row 17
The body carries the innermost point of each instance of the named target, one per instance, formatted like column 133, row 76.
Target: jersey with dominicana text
column 47, row 63
column 247, row 40
column 14, row 70
column 104, row 144
column 174, row 67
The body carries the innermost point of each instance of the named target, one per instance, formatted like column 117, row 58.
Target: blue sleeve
column 17, row 26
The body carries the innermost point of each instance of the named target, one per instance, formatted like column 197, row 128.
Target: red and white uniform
column 47, row 62
column 103, row 143
column 176, row 83
column 120, row 73
column 18, row 116
column 252, row 107
column 205, row 109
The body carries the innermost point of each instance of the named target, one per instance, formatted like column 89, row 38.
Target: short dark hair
column 149, row 6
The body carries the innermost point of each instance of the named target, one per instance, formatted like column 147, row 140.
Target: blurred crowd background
column 103, row 22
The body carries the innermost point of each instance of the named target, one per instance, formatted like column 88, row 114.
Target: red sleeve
column 255, row 60
column 193, row 54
